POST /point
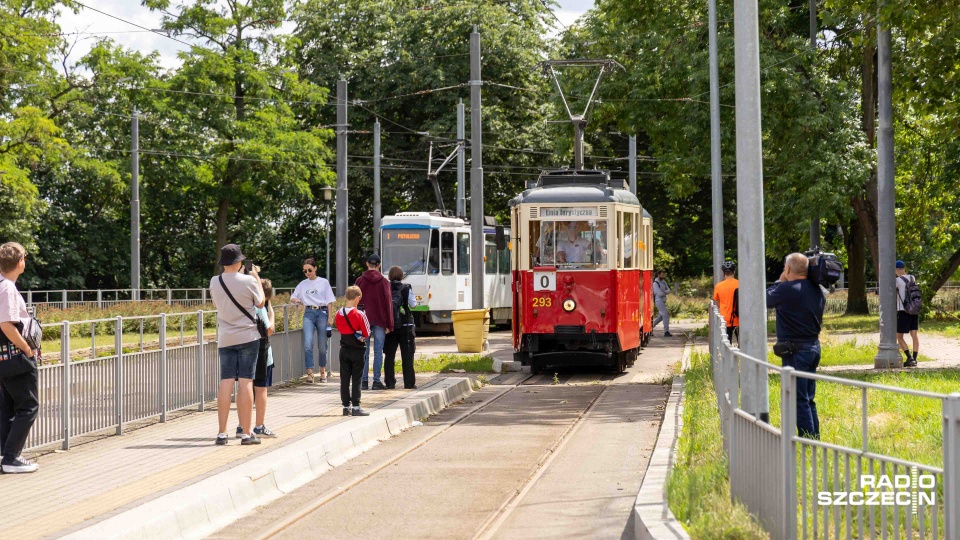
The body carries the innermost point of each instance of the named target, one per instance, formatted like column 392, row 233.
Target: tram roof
column 569, row 187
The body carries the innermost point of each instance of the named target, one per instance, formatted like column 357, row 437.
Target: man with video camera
column 799, row 302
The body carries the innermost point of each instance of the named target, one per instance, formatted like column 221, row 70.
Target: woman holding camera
column 317, row 298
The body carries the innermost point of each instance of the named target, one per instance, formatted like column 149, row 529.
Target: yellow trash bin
column 470, row 327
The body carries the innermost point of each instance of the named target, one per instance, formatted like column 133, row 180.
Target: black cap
column 373, row 259
column 230, row 254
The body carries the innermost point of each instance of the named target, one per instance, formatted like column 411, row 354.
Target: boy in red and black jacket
column 354, row 331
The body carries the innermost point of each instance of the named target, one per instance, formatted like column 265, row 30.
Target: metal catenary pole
column 476, row 174
column 135, row 204
column 750, row 246
column 342, row 222
column 815, row 219
column 633, row 164
column 376, row 186
column 888, row 354
column 715, row 165
column 461, row 162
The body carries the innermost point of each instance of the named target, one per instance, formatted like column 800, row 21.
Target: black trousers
column 406, row 340
column 351, row 370
column 18, row 411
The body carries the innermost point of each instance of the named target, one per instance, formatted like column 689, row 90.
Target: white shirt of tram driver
column 574, row 250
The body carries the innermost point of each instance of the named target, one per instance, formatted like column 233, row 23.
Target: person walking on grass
column 403, row 334
column 354, row 331
column 377, row 304
column 316, row 296
column 263, row 376
column 907, row 323
column 237, row 296
column 660, row 291
column 799, row 303
column 18, row 366
column 727, row 295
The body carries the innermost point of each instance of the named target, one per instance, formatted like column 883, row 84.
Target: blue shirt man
column 799, row 303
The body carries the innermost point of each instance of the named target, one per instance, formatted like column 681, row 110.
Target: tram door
column 464, row 298
column 491, row 280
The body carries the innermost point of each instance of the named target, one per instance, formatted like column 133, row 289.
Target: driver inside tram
column 572, row 245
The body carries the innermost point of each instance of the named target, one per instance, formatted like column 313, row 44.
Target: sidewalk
column 944, row 352
column 98, row 479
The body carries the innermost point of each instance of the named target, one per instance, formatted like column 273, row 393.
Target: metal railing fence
column 110, row 372
column 780, row 477
column 104, row 298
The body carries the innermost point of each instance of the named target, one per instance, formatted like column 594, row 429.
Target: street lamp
column 328, row 193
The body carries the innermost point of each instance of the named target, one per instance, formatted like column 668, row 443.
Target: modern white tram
column 434, row 252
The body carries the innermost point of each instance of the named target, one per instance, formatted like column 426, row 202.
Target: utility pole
column 750, row 246
column 476, row 174
column 815, row 220
column 716, row 170
column 633, row 164
column 342, row 199
column 888, row 355
column 135, row 205
column 376, row 186
column 461, row 162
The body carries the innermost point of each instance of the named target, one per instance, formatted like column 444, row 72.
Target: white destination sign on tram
column 544, row 281
column 568, row 212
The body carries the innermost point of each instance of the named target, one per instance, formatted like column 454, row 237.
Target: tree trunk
column 856, row 270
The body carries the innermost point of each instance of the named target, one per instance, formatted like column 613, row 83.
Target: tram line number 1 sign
column 544, row 281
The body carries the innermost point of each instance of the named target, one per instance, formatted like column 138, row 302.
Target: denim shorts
column 239, row 361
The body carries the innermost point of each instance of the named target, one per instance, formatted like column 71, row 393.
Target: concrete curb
column 203, row 508
column 652, row 518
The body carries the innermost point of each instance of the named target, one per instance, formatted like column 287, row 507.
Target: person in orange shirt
column 726, row 294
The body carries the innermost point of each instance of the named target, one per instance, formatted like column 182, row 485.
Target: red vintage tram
column 582, row 278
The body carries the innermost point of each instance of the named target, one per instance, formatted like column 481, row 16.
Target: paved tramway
column 525, row 457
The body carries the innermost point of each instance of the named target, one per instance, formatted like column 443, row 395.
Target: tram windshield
column 406, row 248
column 568, row 244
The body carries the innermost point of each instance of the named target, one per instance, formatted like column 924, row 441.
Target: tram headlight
column 569, row 305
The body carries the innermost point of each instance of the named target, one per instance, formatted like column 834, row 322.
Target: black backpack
column 912, row 299
column 402, row 314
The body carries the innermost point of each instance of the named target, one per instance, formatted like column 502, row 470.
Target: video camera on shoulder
column 823, row 268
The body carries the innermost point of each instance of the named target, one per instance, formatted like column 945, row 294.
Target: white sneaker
column 19, row 465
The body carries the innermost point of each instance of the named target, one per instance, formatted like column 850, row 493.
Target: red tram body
column 582, row 276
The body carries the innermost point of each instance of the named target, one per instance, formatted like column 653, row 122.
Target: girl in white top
column 316, row 295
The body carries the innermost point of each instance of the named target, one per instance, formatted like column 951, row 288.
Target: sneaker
column 323, row 378
column 377, row 385
column 18, row 465
column 348, row 411
column 357, row 411
column 239, row 432
column 222, row 439
column 667, row 334
column 263, row 431
column 252, row 439
column 364, row 385
column 911, row 363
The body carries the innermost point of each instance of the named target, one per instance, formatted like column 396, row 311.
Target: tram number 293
column 544, row 281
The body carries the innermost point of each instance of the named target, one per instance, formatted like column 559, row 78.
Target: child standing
column 354, row 330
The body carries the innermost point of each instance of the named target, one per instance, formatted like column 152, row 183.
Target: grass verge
column 939, row 324
column 842, row 352
column 698, row 489
column 446, row 363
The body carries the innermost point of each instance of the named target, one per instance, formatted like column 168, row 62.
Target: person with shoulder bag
column 18, row 365
column 403, row 334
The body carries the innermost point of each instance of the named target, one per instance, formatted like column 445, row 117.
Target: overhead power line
column 157, row 32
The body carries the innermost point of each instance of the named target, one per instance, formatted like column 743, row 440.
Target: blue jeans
column 239, row 361
column 806, row 358
column 379, row 335
column 315, row 320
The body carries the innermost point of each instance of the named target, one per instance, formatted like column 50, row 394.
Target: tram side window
column 446, row 253
column 542, row 242
column 489, row 255
column 433, row 263
column 629, row 240
column 505, row 260
column 463, row 253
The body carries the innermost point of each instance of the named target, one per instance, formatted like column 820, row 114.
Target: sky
column 90, row 21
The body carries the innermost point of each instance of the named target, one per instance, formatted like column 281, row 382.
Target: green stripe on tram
column 422, row 308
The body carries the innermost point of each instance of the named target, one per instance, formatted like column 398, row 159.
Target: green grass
column 80, row 345
column 698, row 488
column 940, row 324
column 445, row 363
column 842, row 352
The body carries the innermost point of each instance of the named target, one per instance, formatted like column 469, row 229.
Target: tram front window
column 568, row 244
column 406, row 248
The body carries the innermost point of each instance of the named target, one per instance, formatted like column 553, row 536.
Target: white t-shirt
column 12, row 306
column 314, row 292
column 235, row 327
column 573, row 250
column 902, row 290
